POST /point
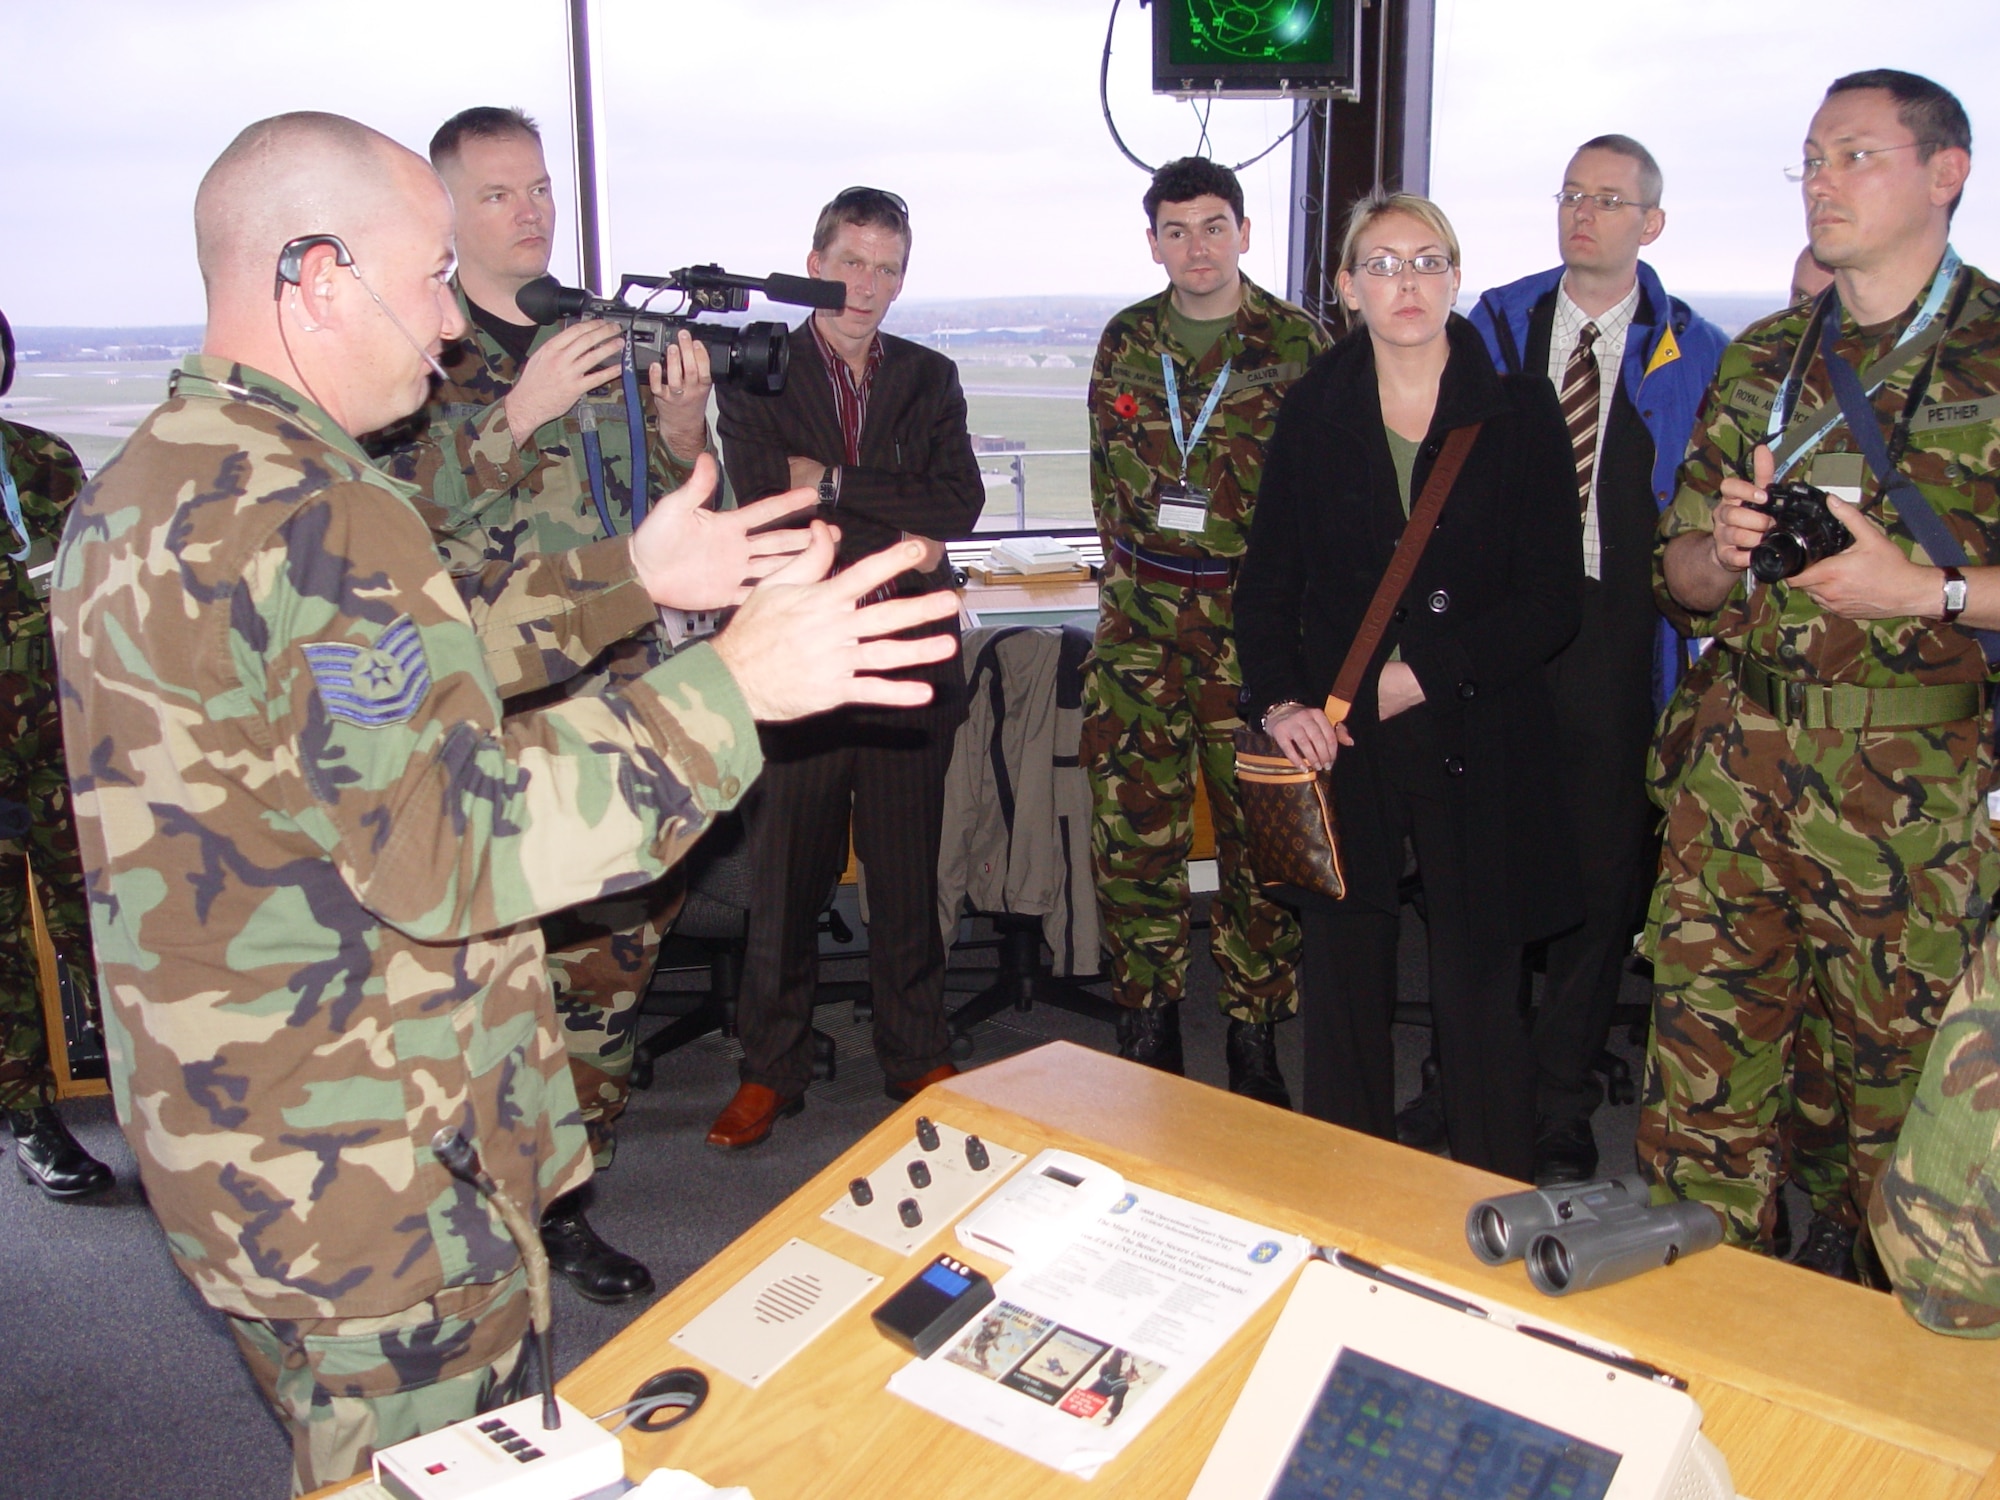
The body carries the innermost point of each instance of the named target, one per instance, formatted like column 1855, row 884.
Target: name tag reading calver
column 1183, row 507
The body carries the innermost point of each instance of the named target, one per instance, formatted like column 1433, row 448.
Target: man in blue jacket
column 1630, row 365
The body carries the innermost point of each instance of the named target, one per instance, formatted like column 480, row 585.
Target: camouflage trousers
column 601, row 958
column 1854, row 867
column 344, row 1387
column 36, row 795
column 1159, row 701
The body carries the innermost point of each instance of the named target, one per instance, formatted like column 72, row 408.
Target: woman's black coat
column 1495, row 595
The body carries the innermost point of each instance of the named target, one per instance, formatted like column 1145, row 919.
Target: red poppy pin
column 1127, row 405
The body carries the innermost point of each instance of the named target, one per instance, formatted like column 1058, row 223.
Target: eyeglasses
column 1604, row 203
column 1392, row 265
column 868, row 197
column 1842, row 162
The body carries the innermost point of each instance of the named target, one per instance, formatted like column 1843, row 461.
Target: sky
column 729, row 125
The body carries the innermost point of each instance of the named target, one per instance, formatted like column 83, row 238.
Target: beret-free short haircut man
column 864, row 208
column 1188, row 178
column 1929, row 111
column 483, row 122
column 1650, row 181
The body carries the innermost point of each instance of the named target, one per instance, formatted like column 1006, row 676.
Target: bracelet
column 1264, row 724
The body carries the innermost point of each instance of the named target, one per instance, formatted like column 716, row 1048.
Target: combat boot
column 50, row 1157
column 1152, row 1036
column 599, row 1272
column 1252, row 1050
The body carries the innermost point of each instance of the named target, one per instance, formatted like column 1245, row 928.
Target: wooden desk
column 1814, row 1389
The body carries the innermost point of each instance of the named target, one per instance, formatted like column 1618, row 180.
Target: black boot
column 1828, row 1248
column 598, row 1272
column 1152, row 1036
column 1253, row 1063
column 1420, row 1123
column 1565, row 1152
column 49, row 1156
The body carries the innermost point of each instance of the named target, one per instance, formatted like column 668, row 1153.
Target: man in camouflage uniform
column 1160, row 695
column 317, row 851
column 1826, row 816
column 39, row 477
column 1935, row 1215
column 500, row 450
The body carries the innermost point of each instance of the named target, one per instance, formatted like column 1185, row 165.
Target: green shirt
column 1403, row 454
column 1195, row 335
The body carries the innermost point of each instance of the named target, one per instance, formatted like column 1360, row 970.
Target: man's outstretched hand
column 801, row 645
column 688, row 555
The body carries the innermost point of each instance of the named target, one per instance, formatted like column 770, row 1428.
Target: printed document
column 1078, row 1352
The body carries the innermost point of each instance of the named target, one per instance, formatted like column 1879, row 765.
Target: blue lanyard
column 12, row 497
column 1788, row 393
column 1181, row 440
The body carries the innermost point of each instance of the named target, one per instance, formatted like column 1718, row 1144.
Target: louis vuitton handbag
column 1294, row 831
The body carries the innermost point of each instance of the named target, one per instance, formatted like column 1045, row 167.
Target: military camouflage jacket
column 46, row 479
column 1935, row 1216
column 496, row 501
column 316, row 850
column 1131, row 436
column 1953, row 455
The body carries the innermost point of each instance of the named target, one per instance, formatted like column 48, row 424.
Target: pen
column 1604, row 1356
column 1374, row 1272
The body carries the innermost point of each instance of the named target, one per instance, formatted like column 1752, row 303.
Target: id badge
column 40, row 566
column 1183, row 507
column 1841, row 475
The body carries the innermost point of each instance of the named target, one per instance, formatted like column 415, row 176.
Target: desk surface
column 1811, row 1387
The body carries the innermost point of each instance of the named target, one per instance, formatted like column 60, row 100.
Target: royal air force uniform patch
column 373, row 686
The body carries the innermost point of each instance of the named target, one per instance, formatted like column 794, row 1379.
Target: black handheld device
column 933, row 1305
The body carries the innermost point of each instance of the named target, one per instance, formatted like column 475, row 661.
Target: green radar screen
column 1253, row 31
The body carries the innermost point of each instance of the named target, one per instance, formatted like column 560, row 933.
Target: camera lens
column 1780, row 555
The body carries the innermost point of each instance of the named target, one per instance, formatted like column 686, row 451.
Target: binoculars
column 1588, row 1234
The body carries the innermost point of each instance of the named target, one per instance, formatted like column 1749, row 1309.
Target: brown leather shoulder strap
column 1402, row 567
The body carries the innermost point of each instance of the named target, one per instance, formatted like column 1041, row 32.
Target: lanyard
column 12, row 497
column 1786, row 404
column 1181, row 438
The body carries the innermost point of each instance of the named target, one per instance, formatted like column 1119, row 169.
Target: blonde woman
column 1445, row 751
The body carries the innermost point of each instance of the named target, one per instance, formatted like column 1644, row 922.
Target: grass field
column 96, row 405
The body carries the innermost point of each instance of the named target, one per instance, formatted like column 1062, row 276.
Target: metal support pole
column 593, row 221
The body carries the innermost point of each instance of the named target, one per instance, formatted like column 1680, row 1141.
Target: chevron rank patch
column 373, row 686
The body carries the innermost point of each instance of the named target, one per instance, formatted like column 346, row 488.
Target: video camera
column 1589, row 1234
column 751, row 355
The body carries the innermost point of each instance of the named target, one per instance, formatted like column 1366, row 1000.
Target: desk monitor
column 1366, row 1391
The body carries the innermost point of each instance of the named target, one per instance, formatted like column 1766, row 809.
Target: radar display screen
column 1377, row 1432
column 1253, row 31
column 1254, row 46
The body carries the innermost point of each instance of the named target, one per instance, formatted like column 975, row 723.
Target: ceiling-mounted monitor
column 1257, row 49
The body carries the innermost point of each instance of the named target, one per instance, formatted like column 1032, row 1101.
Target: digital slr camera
column 753, row 355
column 1804, row 530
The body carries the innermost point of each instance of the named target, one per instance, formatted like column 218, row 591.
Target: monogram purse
column 1294, row 830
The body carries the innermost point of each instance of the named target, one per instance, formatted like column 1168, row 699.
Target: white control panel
column 505, row 1455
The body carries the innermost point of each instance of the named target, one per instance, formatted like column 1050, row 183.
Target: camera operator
column 1825, row 767
column 500, row 452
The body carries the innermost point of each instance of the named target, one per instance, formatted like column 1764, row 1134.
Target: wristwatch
column 1954, row 594
column 829, row 492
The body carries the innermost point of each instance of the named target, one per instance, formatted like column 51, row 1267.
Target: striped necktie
column 1579, row 407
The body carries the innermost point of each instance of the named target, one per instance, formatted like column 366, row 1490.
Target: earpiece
column 292, row 255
